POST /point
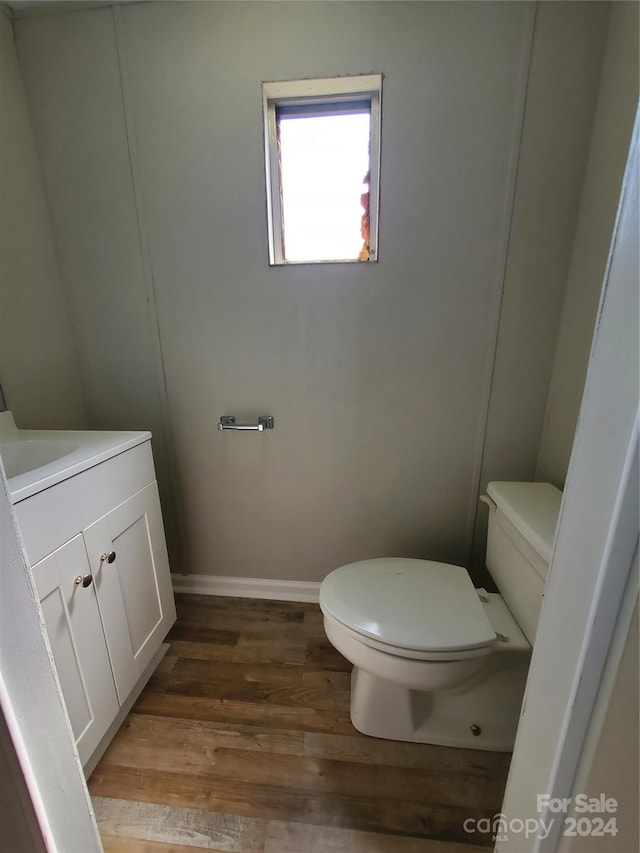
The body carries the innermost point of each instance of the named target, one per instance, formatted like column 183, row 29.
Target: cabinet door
column 75, row 633
column 134, row 591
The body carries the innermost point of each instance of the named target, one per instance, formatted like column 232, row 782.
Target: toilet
column 434, row 659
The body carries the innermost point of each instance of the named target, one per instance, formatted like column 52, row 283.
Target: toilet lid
column 411, row 604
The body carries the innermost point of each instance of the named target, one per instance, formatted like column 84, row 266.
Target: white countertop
column 55, row 454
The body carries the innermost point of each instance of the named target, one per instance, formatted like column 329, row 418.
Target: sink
column 37, row 459
column 20, row 456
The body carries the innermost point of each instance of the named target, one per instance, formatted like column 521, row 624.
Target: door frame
column 593, row 556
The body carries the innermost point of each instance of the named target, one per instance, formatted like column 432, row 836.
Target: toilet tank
column 522, row 523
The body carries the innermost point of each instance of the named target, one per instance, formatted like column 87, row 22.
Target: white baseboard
column 279, row 590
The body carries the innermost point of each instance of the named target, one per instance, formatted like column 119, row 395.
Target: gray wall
column 613, row 124
column 378, row 376
column 561, row 94
column 75, row 95
column 38, row 361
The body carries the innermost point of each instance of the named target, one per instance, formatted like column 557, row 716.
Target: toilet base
column 488, row 705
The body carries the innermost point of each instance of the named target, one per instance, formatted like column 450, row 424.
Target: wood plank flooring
column 242, row 742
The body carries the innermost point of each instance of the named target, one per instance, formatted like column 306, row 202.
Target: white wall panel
column 72, row 75
column 613, row 124
column 377, row 375
column 561, row 96
column 38, row 361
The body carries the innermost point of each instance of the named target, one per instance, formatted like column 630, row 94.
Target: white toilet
column 435, row 660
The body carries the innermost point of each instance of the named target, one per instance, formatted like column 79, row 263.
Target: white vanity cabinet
column 128, row 560
column 75, row 633
column 97, row 550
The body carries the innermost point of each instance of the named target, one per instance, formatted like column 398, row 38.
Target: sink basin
column 20, row 456
column 34, row 460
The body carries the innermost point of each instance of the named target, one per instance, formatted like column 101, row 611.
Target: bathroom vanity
column 91, row 522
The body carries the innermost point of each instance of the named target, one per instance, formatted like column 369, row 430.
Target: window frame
column 327, row 90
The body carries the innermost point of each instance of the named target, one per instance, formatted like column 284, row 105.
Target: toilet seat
column 336, row 631
column 418, row 609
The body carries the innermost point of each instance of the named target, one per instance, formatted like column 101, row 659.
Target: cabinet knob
column 85, row 580
column 108, row 556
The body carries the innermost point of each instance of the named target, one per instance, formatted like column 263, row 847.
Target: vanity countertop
column 38, row 459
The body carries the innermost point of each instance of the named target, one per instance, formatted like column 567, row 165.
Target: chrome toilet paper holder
column 229, row 422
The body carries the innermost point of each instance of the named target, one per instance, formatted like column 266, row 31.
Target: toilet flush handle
column 489, row 502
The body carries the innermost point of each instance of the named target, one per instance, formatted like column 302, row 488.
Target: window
column 322, row 150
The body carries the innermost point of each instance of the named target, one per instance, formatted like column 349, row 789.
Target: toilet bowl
column 434, row 659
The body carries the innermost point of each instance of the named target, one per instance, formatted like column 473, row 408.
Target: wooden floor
column 242, row 742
